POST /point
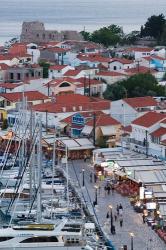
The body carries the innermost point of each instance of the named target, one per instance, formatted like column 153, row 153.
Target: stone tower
column 35, row 32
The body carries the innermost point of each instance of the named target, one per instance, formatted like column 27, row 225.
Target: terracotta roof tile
column 57, row 67
column 110, row 73
column 3, row 66
column 72, row 103
column 140, row 69
column 139, row 102
column 104, row 120
column 149, row 119
column 72, row 72
column 121, row 60
column 17, row 96
column 159, row 132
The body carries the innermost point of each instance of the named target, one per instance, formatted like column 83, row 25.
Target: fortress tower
column 35, row 32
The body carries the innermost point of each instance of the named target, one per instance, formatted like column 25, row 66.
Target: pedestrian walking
column 120, row 206
column 117, row 209
column 121, row 221
column 107, row 215
column 91, row 178
column 120, row 209
column 95, row 177
column 143, row 218
column 115, row 216
column 105, row 190
column 108, row 190
column 113, row 231
column 85, row 157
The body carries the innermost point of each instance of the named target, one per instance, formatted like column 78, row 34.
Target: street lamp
column 132, row 242
column 96, row 187
column 111, row 219
column 83, row 179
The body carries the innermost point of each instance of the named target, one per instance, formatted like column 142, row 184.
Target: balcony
column 139, row 143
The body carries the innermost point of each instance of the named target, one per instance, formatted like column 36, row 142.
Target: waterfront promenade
column 144, row 237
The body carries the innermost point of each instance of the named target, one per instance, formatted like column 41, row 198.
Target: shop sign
column 151, row 205
column 148, row 194
column 78, row 119
column 141, row 193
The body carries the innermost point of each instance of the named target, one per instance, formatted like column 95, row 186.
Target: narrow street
column 144, row 237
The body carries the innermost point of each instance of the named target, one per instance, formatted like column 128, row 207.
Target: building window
column 155, row 140
column 18, row 76
column 115, row 68
column 11, row 76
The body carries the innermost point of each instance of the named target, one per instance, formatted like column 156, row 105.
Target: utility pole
column 46, row 120
column 89, row 85
column 94, row 129
column 146, row 144
column 84, row 83
column 48, row 84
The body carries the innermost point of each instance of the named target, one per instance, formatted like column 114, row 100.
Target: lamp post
column 132, row 241
column 96, row 200
column 111, row 219
column 83, row 177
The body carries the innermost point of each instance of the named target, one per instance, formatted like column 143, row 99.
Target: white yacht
column 67, row 235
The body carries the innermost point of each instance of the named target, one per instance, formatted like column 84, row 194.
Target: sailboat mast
column 39, row 155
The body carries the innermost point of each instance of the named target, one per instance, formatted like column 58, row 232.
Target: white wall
column 124, row 114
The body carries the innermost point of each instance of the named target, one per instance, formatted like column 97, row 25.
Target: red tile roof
column 72, row 72
column 17, row 96
column 121, row 60
column 57, row 49
column 159, row 132
column 140, row 49
column 57, row 67
column 140, row 69
column 72, row 103
column 17, row 49
column 104, row 120
column 68, row 120
column 149, row 119
column 149, row 58
column 3, row 66
column 128, row 128
column 9, row 85
column 140, row 102
column 110, row 73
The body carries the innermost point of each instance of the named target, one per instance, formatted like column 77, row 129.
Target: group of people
column 118, row 215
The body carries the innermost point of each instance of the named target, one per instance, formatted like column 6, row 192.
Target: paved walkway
column 145, row 238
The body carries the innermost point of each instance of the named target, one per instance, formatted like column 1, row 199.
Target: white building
column 148, row 131
column 128, row 109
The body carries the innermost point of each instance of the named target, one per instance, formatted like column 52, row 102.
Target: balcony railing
column 140, row 143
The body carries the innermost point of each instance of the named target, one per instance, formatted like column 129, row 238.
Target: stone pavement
column 144, row 237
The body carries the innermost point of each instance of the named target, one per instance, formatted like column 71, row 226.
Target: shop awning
column 87, row 130
column 108, row 130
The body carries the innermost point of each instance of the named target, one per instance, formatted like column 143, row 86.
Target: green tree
column 45, row 66
column 107, row 36
column 86, row 35
column 154, row 26
column 140, row 84
column 115, row 92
